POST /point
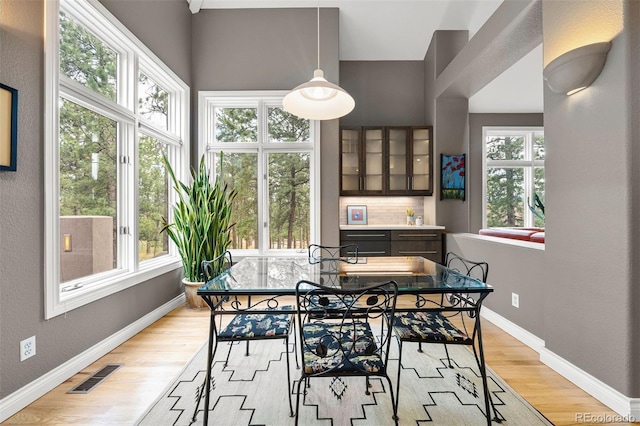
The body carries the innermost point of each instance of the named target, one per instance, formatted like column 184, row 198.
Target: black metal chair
column 346, row 253
column 246, row 326
column 436, row 326
column 327, row 330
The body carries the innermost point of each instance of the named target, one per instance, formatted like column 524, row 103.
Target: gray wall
column 387, row 93
column 272, row 49
column 505, row 263
column 592, row 200
column 22, row 206
column 474, row 155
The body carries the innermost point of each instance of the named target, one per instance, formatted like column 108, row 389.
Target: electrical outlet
column 515, row 300
column 27, row 348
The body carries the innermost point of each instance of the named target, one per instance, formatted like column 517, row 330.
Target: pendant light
column 318, row 99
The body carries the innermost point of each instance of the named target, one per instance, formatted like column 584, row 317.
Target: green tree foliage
column 152, row 198
column 289, row 185
column 505, row 185
column 89, row 141
column 86, row 59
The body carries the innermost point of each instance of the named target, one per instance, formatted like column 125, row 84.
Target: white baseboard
column 526, row 337
column 628, row 409
column 34, row 390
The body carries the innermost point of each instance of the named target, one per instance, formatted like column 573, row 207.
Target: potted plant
column 201, row 227
column 409, row 212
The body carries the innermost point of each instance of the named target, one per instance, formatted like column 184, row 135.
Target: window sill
column 498, row 240
column 68, row 301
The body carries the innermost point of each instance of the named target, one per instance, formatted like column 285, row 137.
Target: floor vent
column 93, row 381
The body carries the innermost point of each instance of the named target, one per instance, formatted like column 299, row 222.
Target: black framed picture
column 8, row 128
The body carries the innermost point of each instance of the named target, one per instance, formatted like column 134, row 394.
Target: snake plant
column 201, row 227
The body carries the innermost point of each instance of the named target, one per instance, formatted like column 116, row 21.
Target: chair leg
column 295, row 343
column 446, row 350
column 226, row 361
column 397, row 403
column 212, row 347
column 367, row 385
column 298, row 398
column 246, row 353
column 420, row 347
column 488, row 402
column 394, row 405
column 289, row 379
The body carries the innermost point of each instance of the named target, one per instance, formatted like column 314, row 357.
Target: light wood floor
column 156, row 355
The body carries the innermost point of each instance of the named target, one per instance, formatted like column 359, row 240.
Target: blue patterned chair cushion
column 249, row 326
column 427, row 327
column 340, row 348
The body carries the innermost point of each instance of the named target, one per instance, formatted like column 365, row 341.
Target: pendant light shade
column 318, row 99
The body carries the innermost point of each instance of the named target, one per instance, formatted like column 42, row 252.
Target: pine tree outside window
column 513, row 174
column 113, row 109
column 269, row 157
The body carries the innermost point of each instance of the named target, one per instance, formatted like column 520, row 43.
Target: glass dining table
column 261, row 284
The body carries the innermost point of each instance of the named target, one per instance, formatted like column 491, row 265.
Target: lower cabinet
column 410, row 242
column 370, row 243
column 425, row 243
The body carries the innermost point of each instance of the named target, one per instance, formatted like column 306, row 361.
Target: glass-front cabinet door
column 398, row 148
column 386, row 160
column 373, row 173
column 421, row 170
column 350, row 177
column 409, row 169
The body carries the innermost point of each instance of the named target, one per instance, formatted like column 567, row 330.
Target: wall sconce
column 576, row 69
column 67, row 242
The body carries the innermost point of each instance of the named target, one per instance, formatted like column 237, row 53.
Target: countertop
column 388, row 227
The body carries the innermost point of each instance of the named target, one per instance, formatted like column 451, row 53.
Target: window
column 268, row 156
column 113, row 110
column 513, row 175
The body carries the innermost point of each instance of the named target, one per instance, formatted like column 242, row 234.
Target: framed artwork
column 356, row 215
column 8, row 127
column 452, row 177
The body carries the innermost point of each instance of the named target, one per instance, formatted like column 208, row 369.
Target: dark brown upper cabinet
column 386, row 160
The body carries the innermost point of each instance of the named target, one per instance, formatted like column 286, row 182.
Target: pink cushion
column 513, row 233
column 538, row 237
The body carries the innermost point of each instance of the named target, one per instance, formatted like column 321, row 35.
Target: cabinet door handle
column 366, row 235
column 417, row 252
column 418, row 235
column 371, row 252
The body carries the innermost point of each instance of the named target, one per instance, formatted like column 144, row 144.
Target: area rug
column 253, row 391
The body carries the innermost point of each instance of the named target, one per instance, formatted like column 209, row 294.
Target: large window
column 267, row 156
column 113, row 110
column 513, row 176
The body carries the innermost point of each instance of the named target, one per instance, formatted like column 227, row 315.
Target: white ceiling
column 378, row 30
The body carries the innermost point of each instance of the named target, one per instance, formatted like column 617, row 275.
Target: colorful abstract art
column 452, row 177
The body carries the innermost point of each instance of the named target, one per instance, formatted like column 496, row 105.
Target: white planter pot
column 191, row 293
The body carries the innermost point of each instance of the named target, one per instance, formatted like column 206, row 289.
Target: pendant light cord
column 318, row 26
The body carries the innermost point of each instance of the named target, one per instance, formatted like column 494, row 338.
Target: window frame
column 262, row 99
column 134, row 56
column 529, row 164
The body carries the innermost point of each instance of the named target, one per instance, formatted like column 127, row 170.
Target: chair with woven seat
column 329, row 258
column 326, row 333
column 345, row 253
column 437, row 325
column 246, row 326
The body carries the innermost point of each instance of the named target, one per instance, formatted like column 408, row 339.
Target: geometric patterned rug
column 252, row 391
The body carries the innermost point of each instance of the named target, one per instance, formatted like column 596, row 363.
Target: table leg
column 209, row 361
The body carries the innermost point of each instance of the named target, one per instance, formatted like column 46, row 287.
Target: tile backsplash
column 385, row 210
